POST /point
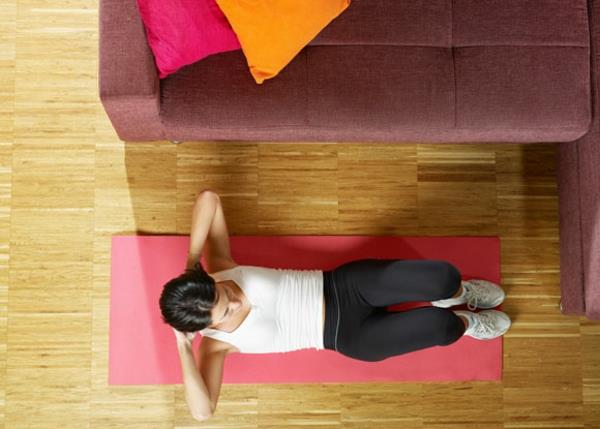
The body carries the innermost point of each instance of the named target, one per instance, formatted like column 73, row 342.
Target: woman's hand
column 184, row 338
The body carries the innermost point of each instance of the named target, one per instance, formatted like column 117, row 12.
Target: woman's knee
column 450, row 326
column 354, row 348
column 449, row 278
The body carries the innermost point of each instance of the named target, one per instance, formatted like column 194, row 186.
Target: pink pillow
column 181, row 32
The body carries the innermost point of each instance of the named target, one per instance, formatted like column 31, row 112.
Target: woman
column 261, row 310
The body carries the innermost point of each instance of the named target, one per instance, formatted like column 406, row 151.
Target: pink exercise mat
column 142, row 348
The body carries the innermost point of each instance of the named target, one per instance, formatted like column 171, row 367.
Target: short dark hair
column 186, row 301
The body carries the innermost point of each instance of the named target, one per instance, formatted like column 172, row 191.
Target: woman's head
column 187, row 301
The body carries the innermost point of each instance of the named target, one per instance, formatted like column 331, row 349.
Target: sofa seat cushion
column 483, row 87
column 384, row 87
column 219, row 93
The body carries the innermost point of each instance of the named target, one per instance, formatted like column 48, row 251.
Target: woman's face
column 227, row 304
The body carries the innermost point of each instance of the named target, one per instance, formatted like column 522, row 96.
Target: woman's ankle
column 458, row 293
column 465, row 320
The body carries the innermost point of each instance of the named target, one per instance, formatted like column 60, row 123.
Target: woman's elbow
column 203, row 414
column 201, row 417
column 208, row 193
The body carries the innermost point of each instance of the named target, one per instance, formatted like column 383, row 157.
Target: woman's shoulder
column 221, row 267
column 240, row 267
column 211, row 344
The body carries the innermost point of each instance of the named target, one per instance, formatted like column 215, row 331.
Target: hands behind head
column 184, row 337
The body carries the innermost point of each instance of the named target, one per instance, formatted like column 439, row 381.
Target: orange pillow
column 273, row 32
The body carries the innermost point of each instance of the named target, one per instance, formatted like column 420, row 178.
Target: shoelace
column 472, row 298
column 473, row 295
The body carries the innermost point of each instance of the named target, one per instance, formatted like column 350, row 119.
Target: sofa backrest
column 447, row 23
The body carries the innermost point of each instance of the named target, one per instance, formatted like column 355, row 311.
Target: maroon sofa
column 397, row 71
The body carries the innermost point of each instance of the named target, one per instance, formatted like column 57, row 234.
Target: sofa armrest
column 129, row 84
column 589, row 182
column 571, row 258
column 579, row 195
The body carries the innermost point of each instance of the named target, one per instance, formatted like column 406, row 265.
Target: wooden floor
column 67, row 184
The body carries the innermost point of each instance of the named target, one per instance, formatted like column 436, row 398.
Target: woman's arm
column 209, row 231
column 202, row 396
column 196, row 392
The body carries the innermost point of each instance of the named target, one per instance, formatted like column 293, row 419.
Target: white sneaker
column 487, row 324
column 477, row 294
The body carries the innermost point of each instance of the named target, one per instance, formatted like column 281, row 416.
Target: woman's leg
column 384, row 334
column 383, row 282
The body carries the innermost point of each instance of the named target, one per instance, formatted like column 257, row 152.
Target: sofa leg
column 176, row 141
column 560, row 306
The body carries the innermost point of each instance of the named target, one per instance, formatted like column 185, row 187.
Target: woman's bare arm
column 197, row 395
column 211, row 361
column 202, row 384
column 209, row 234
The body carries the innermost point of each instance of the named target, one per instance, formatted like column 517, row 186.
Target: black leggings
column 356, row 294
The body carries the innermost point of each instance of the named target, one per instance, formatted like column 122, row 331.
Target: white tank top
column 286, row 312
